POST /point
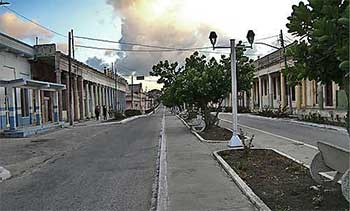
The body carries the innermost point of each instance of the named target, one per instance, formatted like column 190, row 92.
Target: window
column 265, row 87
column 24, row 102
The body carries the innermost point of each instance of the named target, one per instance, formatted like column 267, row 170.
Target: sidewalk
column 195, row 180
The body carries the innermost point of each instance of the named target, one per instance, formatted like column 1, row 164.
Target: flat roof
column 32, row 84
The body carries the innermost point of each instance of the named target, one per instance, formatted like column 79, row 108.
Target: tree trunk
column 218, row 111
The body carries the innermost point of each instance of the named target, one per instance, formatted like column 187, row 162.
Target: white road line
column 162, row 201
column 272, row 134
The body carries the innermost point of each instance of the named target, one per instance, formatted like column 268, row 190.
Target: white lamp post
column 235, row 140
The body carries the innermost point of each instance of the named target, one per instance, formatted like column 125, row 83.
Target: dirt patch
column 216, row 133
column 282, row 183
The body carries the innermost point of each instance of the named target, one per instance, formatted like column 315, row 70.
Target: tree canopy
column 202, row 81
column 322, row 53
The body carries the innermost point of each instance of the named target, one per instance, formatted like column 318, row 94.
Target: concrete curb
column 256, row 201
column 155, row 185
column 162, row 197
column 272, row 134
column 331, row 127
column 4, row 174
column 199, row 136
column 208, row 141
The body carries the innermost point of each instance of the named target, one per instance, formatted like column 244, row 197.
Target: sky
column 165, row 23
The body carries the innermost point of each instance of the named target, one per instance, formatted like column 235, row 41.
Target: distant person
column 104, row 112
column 97, row 112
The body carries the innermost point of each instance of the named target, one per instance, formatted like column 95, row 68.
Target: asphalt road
column 113, row 170
column 292, row 130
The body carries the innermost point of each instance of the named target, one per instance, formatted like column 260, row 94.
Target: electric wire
column 138, row 44
column 139, row 50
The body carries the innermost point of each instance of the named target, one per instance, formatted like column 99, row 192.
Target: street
column 290, row 130
column 113, row 170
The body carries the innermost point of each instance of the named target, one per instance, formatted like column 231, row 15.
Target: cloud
column 158, row 23
column 14, row 26
column 62, row 47
column 97, row 63
column 187, row 23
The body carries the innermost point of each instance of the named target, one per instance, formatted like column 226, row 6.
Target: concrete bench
column 197, row 124
column 331, row 159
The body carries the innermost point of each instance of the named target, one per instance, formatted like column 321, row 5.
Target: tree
column 166, row 71
column 201, row 81
column 322, row 54
column 245, row 69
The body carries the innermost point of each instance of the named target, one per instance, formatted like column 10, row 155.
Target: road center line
column 272, row 134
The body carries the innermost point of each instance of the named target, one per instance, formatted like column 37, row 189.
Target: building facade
column 21, row 98
column 270, row 90
column 35, row 84
column 90, row 87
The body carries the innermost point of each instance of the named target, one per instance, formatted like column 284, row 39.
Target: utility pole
column 70, row 78
column 132, row 91
column 116, row 87
column 285, row 78
column 72, row 38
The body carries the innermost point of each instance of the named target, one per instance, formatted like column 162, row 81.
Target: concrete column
column 68, row 100
column 12, row 107
column 93, row 105
column 283, row 91
column 59, row 81
column 38, row 106
column 270, row 91
column 260, row 94
column 107, row 98
column 252, row 96
column 298, row 96
column 31, row 106
column 55, row 106
column 278, row 94
column 100, row 96
column 76, row 98
column 18, row 106
column 82, row 96
column 97, row 99
column 104, row 100
column 304, row 96
column 87, row 94
column 320, row 95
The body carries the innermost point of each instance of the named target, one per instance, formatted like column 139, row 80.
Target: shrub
column 117, row 115
column 132, row 112
column 247, row 142
column 242, row 109
column 228, row 109
column 281, row 112
column 267, row 112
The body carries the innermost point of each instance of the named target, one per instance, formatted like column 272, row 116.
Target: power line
column 139, row 50
column 30, row 20
column 138, row 44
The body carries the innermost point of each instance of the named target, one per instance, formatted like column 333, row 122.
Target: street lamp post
column 235, row 140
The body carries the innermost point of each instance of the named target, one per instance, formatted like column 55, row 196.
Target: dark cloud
column 97, row 63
